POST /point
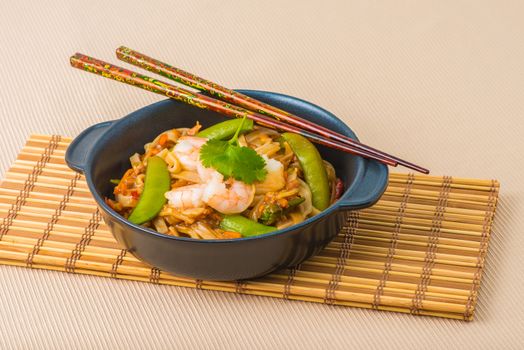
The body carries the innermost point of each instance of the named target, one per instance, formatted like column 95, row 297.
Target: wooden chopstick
column 120, row 74
column 140, row 60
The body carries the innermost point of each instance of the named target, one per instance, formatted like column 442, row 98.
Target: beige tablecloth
column 437, row 82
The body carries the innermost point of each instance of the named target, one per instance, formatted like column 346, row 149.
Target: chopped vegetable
column 271, row 214
column 228, row 234
column 313, row 167
column 152, row 199
column 227, row 129
column 115, row 181
column 244, row 226
column 294, row 202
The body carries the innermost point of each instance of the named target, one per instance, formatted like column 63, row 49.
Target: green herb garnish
column 232, row 160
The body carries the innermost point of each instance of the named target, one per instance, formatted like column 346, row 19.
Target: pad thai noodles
column 232, row 180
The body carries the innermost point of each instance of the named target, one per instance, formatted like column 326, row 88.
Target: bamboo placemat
column 419, row 250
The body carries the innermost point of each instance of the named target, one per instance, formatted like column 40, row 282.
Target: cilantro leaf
column 249, row 165
column 231, row 160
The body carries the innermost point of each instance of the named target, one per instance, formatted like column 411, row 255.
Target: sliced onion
column 126, row 201
column 306, row 207
column 160, row 224
column 191, row 176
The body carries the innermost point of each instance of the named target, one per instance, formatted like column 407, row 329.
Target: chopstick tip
column 122, row 50
column 74, row 58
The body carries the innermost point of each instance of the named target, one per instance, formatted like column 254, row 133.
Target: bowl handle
column 369, row 191
column 78, row 150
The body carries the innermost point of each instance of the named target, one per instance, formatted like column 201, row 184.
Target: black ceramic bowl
column 102, row 153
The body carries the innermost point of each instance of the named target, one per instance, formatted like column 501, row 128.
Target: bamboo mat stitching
column 54, row 219
column 394, row 242
column 429, row 259
column 154, row 277
column 349, row 234
column 118, row 261
column 289, row 282
column 240, row 286
column 89, row 231
column 198, row 284
column 488, row 218
column 29, row 185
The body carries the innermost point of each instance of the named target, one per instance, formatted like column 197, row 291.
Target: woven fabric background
column 437, row 82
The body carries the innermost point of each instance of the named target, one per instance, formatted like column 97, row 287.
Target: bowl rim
column 323, row 214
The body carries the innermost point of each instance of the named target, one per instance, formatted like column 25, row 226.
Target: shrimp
column 229, row 197
column 186, row 197
column 187, row 151
column 208, row 174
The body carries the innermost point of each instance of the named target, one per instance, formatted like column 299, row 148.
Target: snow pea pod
column 152, row 199
column 313, row 167
column 244, row 226
column 226, row 130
